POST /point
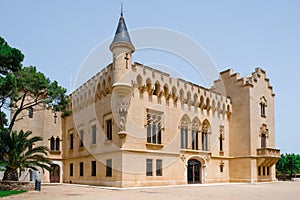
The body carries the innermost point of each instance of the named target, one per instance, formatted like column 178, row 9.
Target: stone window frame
column 157, row 117
column 263, row 104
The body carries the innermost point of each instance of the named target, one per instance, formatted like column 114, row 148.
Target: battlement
column 247, row 81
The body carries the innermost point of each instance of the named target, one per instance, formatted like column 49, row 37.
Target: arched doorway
column 55, row 174
column 194, row 171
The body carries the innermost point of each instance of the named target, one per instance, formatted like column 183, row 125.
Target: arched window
column 52, row 143
column 195, row 135
column 263, row 105
column 57, row 143
column 184, row 134
column 204, row 137
column 264, row 135
column 154, row 127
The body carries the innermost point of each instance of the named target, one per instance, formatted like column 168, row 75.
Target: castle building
column 136, row 126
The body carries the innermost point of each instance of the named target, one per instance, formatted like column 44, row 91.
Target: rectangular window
column 263, row 109
column 149, row 167
column 268, row 171
column 221, row 142
column 71, row 141
column 57, row 144
column 109, row 168
column 109, row 129
column 158, row 167
column 94, row 134
column 94, row 168
column 81, row 137
column 71, row 169
column 81, row 169
column 259, row 171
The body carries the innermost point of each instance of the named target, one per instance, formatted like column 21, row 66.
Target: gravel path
column 265, row 191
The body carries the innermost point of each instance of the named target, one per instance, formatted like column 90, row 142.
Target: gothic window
column 263, row 136
column 204, row 138
column 154, row 128
column 52, row 143
column 30, row 112
column 109, row 129
column 221, row 167
column 221, row 138
column 57, row 143
column 93, row 134
column 81, row 137
column 184, row 134
column 263, row 105
column 149, row 167
column 195, row 137
column 71, row 141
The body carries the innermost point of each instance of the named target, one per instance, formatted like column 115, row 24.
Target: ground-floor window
column 158, row 167
column 149, row 167
column 81, row 169
column 93, row 168
column 71, row 169
column 109, row 168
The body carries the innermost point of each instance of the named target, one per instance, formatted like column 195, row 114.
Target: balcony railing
column 268, row 152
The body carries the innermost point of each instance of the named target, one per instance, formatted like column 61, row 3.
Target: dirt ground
column 265, row 191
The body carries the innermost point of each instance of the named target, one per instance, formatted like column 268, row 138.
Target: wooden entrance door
column 55, row 174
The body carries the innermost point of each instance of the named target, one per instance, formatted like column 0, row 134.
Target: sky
column 57, row 37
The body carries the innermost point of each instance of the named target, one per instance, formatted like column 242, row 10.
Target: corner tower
column 122, row 49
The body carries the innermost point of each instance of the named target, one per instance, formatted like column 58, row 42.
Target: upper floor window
column 154, row 128
column 30, row 112
column 81, row 137
column 94, row 134
column 54, row 143
column 204, row 137
column 221, row 138
column 264, row 135
column 195, row 135
column 263, row 105
column 109, row 129
column 71, row 141
column 184, row 134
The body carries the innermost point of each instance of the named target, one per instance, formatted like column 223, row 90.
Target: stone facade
column 136, row 126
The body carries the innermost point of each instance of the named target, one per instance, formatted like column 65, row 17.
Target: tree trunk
column 10, row 175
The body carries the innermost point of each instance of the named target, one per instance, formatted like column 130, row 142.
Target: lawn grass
column 4, row 193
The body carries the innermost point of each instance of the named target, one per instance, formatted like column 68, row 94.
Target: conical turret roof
column 121, row 34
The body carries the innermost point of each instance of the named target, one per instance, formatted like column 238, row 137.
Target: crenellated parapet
column 96, row 88
column 246, row 81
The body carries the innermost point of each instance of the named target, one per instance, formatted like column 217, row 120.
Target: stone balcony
column 267, row 156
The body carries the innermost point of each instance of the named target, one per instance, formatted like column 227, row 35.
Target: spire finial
column 121, row 9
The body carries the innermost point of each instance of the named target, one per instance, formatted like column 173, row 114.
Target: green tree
column 20, row 154
column 288, row 164
column 23, row 88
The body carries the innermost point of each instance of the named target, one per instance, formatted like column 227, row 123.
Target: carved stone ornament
column 123, row 110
